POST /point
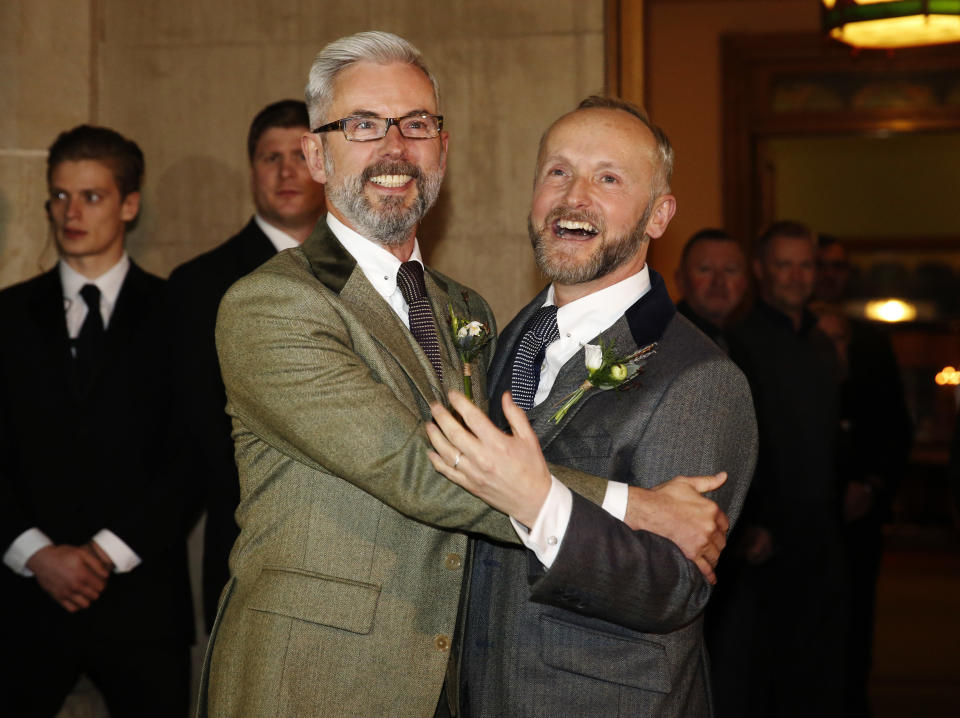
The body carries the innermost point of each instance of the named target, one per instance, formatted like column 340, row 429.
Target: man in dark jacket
column 775, row 628
column 713, row 278
column 91, row 524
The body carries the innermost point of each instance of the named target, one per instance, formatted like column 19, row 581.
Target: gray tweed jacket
column 614, row 627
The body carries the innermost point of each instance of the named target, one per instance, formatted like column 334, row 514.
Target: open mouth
column 391, row 181
column 574, row 229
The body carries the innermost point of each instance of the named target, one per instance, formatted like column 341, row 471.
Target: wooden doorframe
column 624, row 23
column 753, row 65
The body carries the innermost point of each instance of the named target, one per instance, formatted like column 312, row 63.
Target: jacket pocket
column 617, row 659
column 314, row 597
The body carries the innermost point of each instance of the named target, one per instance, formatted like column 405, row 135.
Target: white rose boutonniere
column 469, row 336
column 606, row 369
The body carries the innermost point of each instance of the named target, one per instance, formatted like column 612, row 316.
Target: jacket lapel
column 336, row 268
column 48, row 316
column 642, row 324
column 256, row 247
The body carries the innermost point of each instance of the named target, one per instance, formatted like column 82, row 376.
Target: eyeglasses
column 367, row 129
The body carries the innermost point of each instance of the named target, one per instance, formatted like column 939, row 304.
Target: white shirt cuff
column 616, row 498
column 23, row 547
column 123, row 557
column 546, row 534
column 549, row 528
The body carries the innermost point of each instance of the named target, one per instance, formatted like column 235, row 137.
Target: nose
column 577, row 194
column 287, row 167
column 72, row 208
column 394, row 144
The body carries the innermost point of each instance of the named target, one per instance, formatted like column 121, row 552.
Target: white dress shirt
column 378, row 265
column 579, row 322
column 75, row 312
column 278, row 238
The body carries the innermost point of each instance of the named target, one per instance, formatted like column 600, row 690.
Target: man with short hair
column 873, row 449
column 595, row 619
column 713, row 279
column 288, row 204
column 346, row 577
column 92, row 526
column 775, row 626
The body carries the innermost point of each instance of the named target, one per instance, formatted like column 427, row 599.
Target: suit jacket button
column 453, row 561
column 441, row 643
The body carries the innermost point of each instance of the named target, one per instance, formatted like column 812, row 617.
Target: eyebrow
column 369, row 113
column 101, row 190
column 605, row 165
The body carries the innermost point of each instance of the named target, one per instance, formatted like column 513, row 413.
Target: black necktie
column 540, row 332
column 90, row 339
column 414, row 291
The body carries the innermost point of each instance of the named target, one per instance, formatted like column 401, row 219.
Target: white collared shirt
column 109, row 284
column 579, row 323
column 75, row 311
column 379, row 266
column 278, row 238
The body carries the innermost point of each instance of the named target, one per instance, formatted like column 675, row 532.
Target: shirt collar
column 280, row 239
column 108, row 283
column 379, row 266
column 586, row 317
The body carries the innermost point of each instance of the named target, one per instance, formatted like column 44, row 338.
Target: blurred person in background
column 713, row 279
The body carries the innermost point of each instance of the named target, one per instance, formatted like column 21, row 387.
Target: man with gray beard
column 601, row 374
column 345, row 579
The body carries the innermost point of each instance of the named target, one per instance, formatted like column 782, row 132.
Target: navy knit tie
column 414, row 291
column 541, row 332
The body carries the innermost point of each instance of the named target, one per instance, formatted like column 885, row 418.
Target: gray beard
column 388, row 223
column 612, row 254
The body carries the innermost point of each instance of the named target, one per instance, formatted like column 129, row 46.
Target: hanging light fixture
column 887, row 24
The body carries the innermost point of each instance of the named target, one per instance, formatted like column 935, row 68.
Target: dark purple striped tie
column 414, row 291
column 541, row 331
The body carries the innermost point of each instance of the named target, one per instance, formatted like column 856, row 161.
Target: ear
column 130, row 206
column 678, row 278
column 665, row 206
column 444, row 140
column 312, row 148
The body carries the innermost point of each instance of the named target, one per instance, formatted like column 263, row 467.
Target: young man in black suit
column 288, row 204
column 92, row 523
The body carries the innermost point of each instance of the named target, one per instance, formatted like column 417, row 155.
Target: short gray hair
column 371, row 46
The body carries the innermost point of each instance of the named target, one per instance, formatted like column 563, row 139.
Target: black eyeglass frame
column 341, row 125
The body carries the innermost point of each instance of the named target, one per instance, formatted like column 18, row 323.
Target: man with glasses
column 338, row 602
column 346, row 577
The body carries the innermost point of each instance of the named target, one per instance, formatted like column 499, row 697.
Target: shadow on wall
column 194, row 205
column 434, row 226
column 23, row 257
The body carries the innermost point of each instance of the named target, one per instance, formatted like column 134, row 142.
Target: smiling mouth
column 574, row 229
column 391, row 181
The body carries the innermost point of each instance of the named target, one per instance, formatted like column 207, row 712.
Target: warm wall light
column 948, row 377
column 887, row 24
column 890, row 310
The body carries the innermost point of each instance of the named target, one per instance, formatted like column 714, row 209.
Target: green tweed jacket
column 346, row 577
